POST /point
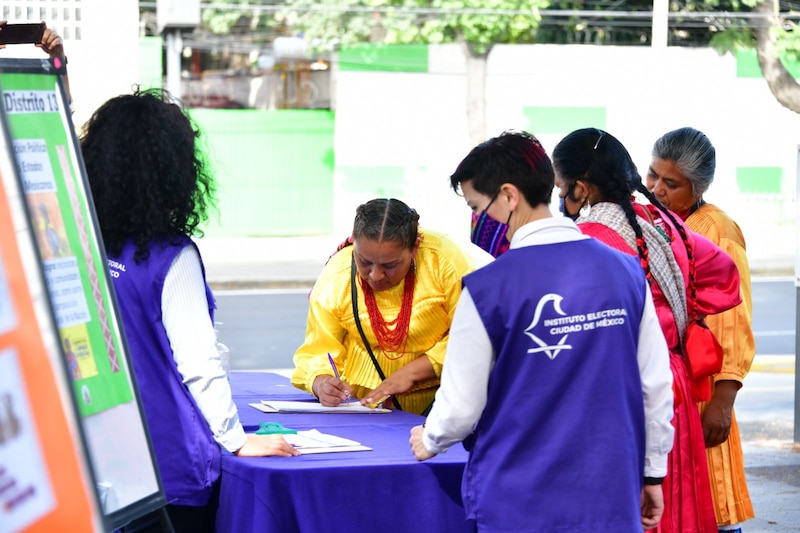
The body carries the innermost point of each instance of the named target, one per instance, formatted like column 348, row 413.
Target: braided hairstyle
column 383, row 219
column 387, row 219
column 638, row 186
column 597, row 157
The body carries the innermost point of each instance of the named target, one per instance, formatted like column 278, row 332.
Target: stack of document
column 276, row 406
column 312, row 441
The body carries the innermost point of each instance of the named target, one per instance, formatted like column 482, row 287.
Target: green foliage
column 788, row 37
column 221, row 21
column 732, row 41
column 328, row 24
column 739, row 36
column 479, row 23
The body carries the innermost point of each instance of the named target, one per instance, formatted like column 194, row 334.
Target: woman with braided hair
column 596, row 178
column 395, row 286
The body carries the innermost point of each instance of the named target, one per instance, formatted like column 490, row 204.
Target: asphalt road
column 264, row 327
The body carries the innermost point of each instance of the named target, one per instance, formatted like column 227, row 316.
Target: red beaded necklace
column 391, row 340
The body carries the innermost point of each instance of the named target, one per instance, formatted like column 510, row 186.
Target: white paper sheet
column 276, row 406
column 312, row 441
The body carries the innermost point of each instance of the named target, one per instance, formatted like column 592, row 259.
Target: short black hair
column 515, row 157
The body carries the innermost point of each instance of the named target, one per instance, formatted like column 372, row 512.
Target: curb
column 776, row 364
column 256, row 285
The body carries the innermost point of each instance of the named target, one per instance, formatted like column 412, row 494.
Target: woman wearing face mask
column 487, row 233
column 681, row 170
column 399, row 284
column 566, row 432
column 596, row 178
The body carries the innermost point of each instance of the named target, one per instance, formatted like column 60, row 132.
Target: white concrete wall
column 419, row 121
column 104, row 62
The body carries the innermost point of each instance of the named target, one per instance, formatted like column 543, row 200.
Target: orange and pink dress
column 689, row 507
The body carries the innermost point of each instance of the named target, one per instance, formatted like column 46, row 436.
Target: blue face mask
column 489, row 234
column 562, row 206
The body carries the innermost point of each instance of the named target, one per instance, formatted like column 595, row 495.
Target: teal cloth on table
column 273, row 428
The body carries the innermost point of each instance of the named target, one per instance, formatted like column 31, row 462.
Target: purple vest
column 188, row 456
column 560, row 445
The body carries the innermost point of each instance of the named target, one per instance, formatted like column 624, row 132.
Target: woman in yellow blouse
column 406, row 281
column 681, row 170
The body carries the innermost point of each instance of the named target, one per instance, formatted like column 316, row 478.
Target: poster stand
column 90, row 349
column 44, row 481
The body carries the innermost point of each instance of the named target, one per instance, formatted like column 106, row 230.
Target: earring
column 585, row 209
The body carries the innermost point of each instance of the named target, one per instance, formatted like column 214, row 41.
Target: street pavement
column 764, row 407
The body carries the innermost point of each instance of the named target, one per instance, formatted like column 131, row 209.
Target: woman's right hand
column 330, row 390
column 263, row 445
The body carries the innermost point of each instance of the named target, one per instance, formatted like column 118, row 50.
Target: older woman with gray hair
column 681, row 171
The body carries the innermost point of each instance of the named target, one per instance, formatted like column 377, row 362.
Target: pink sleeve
column 716, row 277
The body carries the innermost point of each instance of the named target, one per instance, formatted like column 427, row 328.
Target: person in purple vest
column 151, row 189
column 557, row 374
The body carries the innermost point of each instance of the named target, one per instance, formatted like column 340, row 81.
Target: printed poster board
column 45, row 479
column 51, row 179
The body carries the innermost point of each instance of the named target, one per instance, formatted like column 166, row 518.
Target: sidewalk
column 764, row 406
column 263, row 262
column 765, row 413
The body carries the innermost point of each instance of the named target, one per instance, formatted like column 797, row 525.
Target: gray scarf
column 665, row 270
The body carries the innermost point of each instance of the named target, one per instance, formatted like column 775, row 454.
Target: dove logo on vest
column 550, row 334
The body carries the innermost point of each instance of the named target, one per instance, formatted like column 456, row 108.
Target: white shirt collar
column 546, row 231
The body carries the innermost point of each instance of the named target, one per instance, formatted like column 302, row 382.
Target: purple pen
column 336, row 373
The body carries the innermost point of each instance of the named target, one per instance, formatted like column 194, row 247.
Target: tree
column 723, row 25
column 475, row 24
column 478, row 25
column 768, row 32
column 773, row 38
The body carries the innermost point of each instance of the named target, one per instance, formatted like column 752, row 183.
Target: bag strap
column 354, row 297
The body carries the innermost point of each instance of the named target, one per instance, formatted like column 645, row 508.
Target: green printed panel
column 761, row 180
column 385, row 58
column 747, row 65
column 274, row 170
column 563, row 120
column 380, row 182
column 150, row 62
column 71, row 256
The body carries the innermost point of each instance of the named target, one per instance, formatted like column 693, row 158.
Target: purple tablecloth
column 384, row 490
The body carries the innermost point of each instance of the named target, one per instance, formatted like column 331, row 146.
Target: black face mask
column 562, row 204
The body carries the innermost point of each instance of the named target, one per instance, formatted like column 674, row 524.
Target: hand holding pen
column 331, row 390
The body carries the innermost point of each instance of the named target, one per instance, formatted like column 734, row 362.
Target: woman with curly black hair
column 596, row 179
column 151, row 190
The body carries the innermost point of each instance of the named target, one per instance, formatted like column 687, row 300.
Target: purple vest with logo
column 188, row 456
column 560, row 445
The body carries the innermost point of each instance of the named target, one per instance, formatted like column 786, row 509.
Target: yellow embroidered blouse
column 331, row 326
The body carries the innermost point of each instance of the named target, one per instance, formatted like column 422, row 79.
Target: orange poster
column 45, row 484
